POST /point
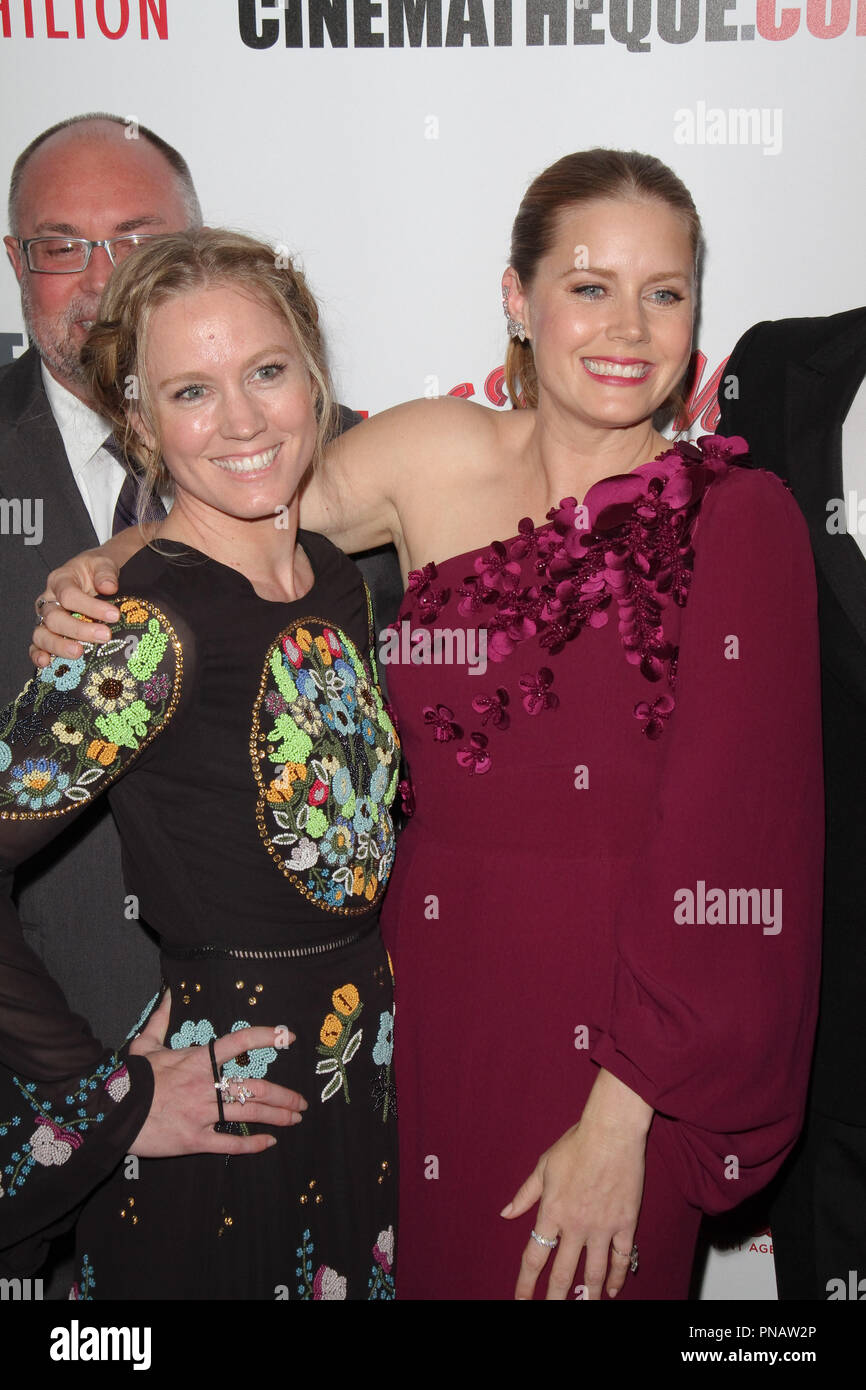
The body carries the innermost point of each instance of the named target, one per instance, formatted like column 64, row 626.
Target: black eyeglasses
column 58, row 255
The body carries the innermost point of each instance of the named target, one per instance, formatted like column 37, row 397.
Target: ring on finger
column 223, row 1087
column 545, row 1241
column 42, row 600
column 242, row 1094
column 631, row 1256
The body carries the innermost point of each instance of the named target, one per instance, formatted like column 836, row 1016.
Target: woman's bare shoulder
column 424, row 426
column 380, row 472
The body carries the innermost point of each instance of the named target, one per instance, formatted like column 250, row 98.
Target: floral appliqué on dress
column 629, row 545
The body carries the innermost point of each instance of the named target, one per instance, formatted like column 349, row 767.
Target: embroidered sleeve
column 77, row 724
column 68, row 1107
column 713, row 994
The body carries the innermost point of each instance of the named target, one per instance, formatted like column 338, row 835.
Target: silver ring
column 241, row 1095
column 542, row 1240
column 632, row 1256
column 42, row 600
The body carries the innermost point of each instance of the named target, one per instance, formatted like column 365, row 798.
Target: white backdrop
column 394, row 169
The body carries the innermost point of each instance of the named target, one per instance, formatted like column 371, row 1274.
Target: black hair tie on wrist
column 222, row 1126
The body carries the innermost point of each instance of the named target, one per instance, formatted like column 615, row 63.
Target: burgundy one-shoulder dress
column 614, row 859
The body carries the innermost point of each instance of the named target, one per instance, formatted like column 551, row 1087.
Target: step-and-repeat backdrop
column 388, row 144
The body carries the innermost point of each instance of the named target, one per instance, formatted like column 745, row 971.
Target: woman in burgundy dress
column 604, row 913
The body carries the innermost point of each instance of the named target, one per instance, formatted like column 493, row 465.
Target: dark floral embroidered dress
column 251, row 766
column 646, row 731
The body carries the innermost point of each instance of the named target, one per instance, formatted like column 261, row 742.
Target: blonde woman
column 234, row 721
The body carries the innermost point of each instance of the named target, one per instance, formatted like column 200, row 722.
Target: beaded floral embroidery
column 384, row 1092
column 337, row 1043
column 629, row 546
column 326, row 759
column 145, row 1015
column 254, row 1063
column 72, row 729
column 326, row 1284
column 330, row 1286
column 82, row 1290
column 61, row 1124
column 381, row 1283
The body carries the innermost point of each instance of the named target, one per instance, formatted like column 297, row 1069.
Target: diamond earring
column 515, row 328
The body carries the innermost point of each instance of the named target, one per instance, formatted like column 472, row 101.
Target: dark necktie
column 125, row 507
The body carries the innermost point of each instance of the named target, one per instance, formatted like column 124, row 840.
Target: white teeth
column 599, row 368
column 252, row 464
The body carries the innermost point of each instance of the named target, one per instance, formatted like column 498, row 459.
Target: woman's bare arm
column 386, row 480
column 376, row 476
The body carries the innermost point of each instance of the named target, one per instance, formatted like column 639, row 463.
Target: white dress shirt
column 98, row 476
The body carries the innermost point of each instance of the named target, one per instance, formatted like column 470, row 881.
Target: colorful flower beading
column 323, row 809
column 116, row 697
column 337, row 1042
column 61, row 1122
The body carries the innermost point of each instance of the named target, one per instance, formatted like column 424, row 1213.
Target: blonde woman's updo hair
column 585, row 177
column 114, row 353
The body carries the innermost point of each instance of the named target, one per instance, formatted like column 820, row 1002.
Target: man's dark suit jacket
column 72, row 898
column 796, row 380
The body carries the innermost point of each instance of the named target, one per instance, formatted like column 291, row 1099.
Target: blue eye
column 583, row 290
column 189, row 393
column 271, row 370
column 673, row 297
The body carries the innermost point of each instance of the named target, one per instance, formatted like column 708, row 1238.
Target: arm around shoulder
column 372, row 473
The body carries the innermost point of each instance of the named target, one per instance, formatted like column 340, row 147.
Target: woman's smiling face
column 232, row 399
column 610, row 310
